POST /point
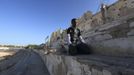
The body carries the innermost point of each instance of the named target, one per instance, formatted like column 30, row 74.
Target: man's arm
column 82, row 40
column 69, row 37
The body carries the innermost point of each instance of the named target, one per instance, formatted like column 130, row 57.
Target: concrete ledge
column 114, row 39
column 87, row 65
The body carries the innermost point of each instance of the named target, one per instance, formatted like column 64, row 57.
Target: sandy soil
column 6, row 53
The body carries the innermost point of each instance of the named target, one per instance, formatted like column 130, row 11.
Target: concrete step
column 88, row 64
column 126, row 62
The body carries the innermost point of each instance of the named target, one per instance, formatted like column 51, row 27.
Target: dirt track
column 25, row 62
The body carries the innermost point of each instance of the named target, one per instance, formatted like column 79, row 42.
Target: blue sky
column 25, row 22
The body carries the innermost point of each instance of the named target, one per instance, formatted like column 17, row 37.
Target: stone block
column 88, row 73
column 103, row 37
column 115, row 47
column 110, row 25
column 131, row 24
column 128, row 72
column 131, row 33
column 99, row 72
column 86, row 70
column 94, row 71
column 106, row 72
column 73, row 66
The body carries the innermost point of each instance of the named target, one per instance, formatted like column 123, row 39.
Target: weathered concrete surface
column 88, row 65
column 23, row 63
column 115, row 38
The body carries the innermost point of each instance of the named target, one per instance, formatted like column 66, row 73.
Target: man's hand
column 69, row 42
column 82, row 40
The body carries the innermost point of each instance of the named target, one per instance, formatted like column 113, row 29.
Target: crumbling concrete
column 87, row 64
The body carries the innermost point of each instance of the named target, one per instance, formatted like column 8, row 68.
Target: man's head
column 73, row 22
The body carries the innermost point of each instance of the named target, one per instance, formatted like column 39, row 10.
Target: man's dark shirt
column 74, row 33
